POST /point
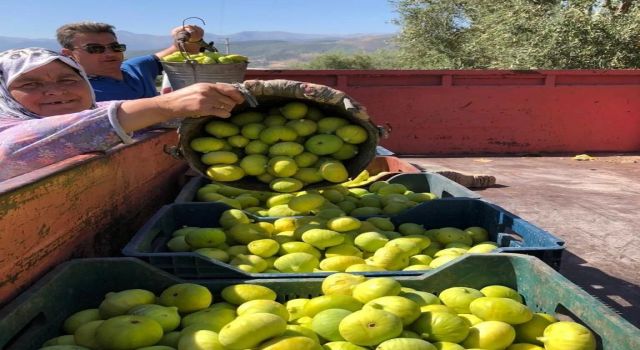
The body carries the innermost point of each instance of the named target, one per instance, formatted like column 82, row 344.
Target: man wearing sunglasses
column 96, row 47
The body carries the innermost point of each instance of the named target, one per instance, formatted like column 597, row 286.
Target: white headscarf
column 16, row 62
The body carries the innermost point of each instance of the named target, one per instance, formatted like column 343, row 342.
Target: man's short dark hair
column 67, row 32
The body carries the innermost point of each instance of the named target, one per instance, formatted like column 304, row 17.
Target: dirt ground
column 594, row 205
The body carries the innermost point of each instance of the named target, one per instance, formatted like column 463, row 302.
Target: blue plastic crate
column 38, row 314
column 512, row 234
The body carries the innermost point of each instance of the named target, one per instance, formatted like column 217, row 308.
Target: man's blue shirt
column 139, row 80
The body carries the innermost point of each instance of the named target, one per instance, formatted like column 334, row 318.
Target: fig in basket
column 281, row 147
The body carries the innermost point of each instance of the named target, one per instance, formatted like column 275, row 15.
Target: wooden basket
column 272, row 93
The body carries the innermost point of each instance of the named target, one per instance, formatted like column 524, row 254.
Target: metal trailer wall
column 471, row 112
column 74, row 208
column 88, row 205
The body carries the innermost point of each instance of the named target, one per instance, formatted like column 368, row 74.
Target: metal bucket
column 191, row 128
column 268, row 98
column 183, row 74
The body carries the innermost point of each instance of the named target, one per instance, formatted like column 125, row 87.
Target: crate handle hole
column 159, row 240
column 516, row 236
column 509, row 238
column 38, row 321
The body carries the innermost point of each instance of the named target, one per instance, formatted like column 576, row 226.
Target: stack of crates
column 38, row 314
column 457, row 207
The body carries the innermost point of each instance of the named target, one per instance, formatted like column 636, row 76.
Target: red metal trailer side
column 493, row 111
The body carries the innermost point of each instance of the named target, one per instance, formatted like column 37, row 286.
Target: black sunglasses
column 99, row 48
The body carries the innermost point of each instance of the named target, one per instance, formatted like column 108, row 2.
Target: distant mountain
column 149, row 42
column 281, row 54
column 265, row 49
column 277, row 54
column 260, row 36
column 7, row 43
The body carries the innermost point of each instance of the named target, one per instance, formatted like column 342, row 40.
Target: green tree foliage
column 519, row 34
column 340, row 60
column 381, row 59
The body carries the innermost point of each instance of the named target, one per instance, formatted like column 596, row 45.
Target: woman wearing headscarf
column 48, row 111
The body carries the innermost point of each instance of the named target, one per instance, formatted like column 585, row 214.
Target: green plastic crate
column 513, row 235
column 37, row 314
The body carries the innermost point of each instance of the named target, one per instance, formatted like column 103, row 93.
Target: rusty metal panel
column 88, row 206
column 598, row 80
column 391, row 164
column 498, row 80
column 449, row 112
column 384, row 80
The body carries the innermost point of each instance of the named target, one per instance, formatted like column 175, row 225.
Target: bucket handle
column 248, row 97
column 384, row 130
column 174, row 151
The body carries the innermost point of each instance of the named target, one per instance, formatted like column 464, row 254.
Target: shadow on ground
column 492, row 186
column 620, row 295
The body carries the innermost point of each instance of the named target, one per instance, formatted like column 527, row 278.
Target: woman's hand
column 201, row 99
column 197, row 100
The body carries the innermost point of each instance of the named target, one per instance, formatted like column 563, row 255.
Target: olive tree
column 518, row 34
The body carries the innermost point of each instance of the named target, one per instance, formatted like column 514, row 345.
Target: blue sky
column 40, row 18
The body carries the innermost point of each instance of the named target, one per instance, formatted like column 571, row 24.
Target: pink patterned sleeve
column 27, row 145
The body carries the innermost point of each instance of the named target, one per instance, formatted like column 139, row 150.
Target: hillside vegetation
column 280, row 54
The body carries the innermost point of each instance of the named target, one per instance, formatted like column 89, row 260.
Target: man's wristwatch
column 204, row 46
column 201, row 42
